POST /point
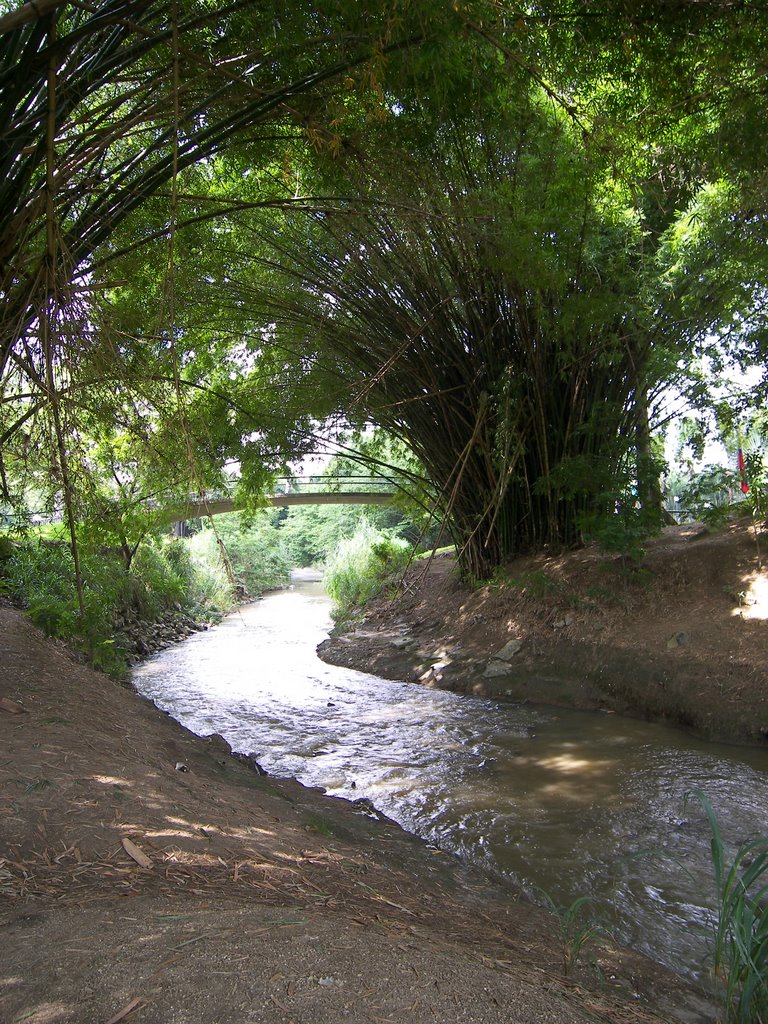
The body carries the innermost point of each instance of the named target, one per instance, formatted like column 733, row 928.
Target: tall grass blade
column 741, row 932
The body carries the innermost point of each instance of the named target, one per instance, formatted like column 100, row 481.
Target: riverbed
column 560, row 803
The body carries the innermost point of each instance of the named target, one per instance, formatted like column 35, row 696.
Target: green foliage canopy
column 510, row 229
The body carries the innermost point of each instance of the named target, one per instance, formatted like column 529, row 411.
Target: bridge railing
column 306, row 484
column 293, row 489
column 331, row 484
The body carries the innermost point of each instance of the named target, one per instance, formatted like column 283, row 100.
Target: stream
column 553, row 801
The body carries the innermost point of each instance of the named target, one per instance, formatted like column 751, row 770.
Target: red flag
column 743, row 471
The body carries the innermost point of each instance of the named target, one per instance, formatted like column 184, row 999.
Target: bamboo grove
column 484, row 227
column 496, row 330
column 101, row 109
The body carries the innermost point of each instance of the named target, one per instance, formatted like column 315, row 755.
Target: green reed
column 577, row 932
column 741, row 927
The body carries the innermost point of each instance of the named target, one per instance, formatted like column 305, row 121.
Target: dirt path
column 148, row 876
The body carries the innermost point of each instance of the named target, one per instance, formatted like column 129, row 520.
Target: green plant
column 107, row 656
column 54, row 617
column 320, row 824
column 597, row 592
column 359, row 567
column 741, row 928
column 248, row 555
column 157, row 585
column 38, row 785
column 577, row 932
column 622, row 532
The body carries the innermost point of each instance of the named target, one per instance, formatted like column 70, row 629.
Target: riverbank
column 147, row 875
column 681, row 638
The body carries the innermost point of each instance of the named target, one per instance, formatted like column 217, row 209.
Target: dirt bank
column 148, row 876
column 681, row 638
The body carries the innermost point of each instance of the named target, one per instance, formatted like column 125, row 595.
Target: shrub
column 359, row 567
column 251, row 557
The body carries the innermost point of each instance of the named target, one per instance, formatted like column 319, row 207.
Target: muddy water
column 561, row 802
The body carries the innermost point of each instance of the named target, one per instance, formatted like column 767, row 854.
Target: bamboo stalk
column 46, row 318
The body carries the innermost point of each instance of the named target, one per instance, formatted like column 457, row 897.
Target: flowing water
column 560, row 802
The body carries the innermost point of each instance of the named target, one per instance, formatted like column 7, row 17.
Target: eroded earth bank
column 681, row 637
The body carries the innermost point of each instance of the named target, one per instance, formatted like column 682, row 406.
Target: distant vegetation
column 361, row 565
column 200, row 578
column 235, row 558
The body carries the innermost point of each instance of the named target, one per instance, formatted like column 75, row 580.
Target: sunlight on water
column 571, row 804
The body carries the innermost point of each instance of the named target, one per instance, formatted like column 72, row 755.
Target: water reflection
column 567, row 803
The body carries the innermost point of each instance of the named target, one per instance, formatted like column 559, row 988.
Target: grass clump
column 741, row 927
column 360, row 566
column 578, row 931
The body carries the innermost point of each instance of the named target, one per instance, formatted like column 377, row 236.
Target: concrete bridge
column 316, row 490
